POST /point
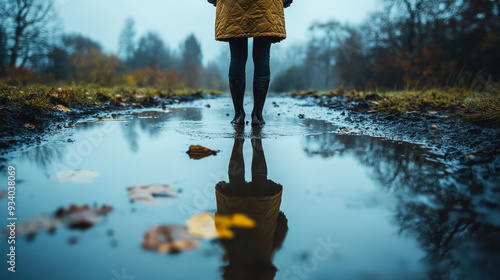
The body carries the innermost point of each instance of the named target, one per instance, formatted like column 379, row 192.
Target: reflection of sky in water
column 360, row 191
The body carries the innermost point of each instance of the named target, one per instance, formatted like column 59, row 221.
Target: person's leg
column 237, row 83
column 262, row 76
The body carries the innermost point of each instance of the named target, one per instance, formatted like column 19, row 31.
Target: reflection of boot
column 259, row 170
column 237, row 88
column 236, row 168
column 260, row 87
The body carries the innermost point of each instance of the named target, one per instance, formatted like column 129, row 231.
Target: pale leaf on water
column 149, row 193
column 83, row 176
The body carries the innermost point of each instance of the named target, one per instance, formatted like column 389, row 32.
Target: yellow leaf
column 209, row 226
column 224, row 222
column 240, row 220
column 62, row 108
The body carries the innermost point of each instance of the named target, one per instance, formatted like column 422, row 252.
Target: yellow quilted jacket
column 250, row 18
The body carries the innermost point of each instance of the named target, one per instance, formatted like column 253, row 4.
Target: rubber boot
column 260, row 88
column 237, row 88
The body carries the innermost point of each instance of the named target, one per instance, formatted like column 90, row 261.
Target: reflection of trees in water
column 151, row 122
column 45, row 155
column 459, row 228
column 393, row 165
column 452, row 215
column 130, row 134
column 146, row 123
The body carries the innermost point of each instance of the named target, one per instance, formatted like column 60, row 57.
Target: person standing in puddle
column 235, row 22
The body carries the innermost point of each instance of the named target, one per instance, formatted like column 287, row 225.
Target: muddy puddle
column 325, row 205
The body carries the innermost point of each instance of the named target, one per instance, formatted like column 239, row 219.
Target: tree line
column 418, row 43
column 32, row 48
column 421, row 43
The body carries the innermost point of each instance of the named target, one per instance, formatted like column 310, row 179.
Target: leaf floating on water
column 210, row 226
column 82, row 217
column 75, row 217
column 149, row 192
column 76, row 176
column 202, row 226
column 168, row 239
column 199, row 152
column 35, row 225
column 435, row 127
column 30, row 126
column 62, row 108
column 224, row 222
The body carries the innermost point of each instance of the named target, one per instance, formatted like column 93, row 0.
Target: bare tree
column 27, row 25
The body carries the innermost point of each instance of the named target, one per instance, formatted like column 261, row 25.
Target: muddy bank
column 23, row 127
column 443, row 133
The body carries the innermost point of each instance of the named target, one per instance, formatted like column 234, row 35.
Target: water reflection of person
column 249, row 254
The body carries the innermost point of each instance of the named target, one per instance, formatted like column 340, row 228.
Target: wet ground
column 352, row 206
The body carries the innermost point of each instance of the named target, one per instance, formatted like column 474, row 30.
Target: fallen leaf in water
column 36, row 224
column 76, row 217
column 202, row 226
column 82, row 217
column 210, row 226
column 199, row 152
column 76, row 176
column 224, row 222
column 30, row 126
column 435, row 127
column 62, row 108
column 149, row 192
column 167, row 238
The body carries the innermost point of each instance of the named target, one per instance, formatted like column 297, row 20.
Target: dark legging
column 239, row 55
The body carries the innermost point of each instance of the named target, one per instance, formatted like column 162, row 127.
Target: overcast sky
column 174, row 20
